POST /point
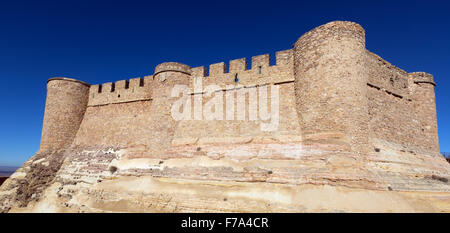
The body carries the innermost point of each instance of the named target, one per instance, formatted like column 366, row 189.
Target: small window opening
column 141, row 82
column 100, row 88
column 127, row 84
column 259, row 69
column 113, row 87
column 236, row 79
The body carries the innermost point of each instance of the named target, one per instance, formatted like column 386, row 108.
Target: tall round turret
column 64, row 110
column 422, row 93
column 166, row 76
column 331, row 82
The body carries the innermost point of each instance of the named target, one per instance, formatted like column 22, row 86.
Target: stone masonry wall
column 120, row 125
column 330, row 87
column 226, row 131
column 401, row 110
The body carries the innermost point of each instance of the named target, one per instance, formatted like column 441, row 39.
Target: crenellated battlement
column 238, row 73
column 259, row 73
column 121, row 91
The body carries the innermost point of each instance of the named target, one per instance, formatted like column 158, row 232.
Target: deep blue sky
column 107, row 41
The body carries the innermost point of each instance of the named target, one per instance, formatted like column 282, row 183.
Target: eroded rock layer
column 234, row 177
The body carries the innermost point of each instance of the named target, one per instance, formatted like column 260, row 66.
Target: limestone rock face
column 233, row 177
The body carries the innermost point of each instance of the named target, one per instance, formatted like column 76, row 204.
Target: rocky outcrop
column 235, row 177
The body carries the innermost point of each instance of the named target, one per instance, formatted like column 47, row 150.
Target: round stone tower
column 166, row 76
column 64, row 110
column 422, row 93
column 330, row 84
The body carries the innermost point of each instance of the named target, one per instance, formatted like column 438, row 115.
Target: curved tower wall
column 64, row 110
column 331, row 84
column 163, row 125
column 422, row 93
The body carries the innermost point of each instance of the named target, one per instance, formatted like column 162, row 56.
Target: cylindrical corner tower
column 166, row 76
column 331, row 82
column 64, row 110
column 422, row 93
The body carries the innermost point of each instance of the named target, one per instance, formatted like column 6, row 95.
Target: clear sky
column 113, row 40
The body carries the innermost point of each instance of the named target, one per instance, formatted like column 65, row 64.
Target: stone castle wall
column 401, row 109
column 330, row 88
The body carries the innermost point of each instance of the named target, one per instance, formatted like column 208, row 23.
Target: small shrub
column 113, row 169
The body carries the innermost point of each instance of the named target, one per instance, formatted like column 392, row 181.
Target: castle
column 331, row 89
column 354, row 133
